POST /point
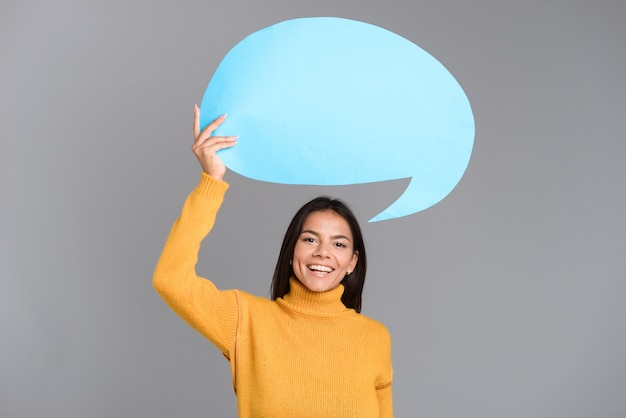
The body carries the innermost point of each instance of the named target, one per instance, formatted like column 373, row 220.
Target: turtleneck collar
column 318, row 304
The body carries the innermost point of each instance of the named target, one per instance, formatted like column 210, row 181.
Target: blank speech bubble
column 331, row 101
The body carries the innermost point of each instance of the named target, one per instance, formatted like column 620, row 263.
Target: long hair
column 353, row 283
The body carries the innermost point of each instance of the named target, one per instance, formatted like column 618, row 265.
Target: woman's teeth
column 316, row 267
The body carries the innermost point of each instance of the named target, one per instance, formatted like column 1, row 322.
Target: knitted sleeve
column 385, row 402
column 210, row 311
column 383, row 389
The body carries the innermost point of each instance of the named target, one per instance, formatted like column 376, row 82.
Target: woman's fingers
column 205, row 146
column 196, row 122
column 206, row 132
column 201, row 136
column 216, row 143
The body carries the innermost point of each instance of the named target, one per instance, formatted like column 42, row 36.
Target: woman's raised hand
column 206, row 146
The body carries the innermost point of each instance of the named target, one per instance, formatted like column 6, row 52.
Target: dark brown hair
column 353, row 283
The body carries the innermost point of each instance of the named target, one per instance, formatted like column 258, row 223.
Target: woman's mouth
column 320, row 268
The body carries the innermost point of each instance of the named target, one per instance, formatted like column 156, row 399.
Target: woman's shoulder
column 374, row 327
column 251, row 301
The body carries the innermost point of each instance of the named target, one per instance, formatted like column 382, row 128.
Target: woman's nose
column 321, row 250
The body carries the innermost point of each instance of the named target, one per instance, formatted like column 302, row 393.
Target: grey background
column 507, row 299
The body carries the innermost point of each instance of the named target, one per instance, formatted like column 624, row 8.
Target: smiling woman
column 339, row 360
column 325, row 247
column 324, row 254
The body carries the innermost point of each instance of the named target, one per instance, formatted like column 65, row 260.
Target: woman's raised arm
column 210, row 311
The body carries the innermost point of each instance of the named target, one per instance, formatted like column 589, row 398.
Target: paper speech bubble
column 330, row 101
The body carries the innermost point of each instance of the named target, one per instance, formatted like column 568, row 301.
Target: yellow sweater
column 304, row 355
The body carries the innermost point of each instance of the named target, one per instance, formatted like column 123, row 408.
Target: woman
column 308, row 352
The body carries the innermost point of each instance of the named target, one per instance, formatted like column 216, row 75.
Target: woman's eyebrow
column 309, row 231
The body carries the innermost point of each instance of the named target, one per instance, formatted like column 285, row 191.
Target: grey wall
column 507, row 299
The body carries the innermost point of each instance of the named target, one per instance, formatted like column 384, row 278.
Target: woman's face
column 324, row 251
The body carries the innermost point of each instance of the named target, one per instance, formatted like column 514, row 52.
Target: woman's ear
column 355, row 259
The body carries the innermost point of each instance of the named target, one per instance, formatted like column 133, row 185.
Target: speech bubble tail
column 415, row 198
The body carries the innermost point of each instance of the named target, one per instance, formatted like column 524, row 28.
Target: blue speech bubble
column 331, row 101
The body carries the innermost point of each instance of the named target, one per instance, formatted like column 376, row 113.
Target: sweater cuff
column 210, row 187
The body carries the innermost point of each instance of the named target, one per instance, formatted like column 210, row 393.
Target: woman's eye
column 340, row 245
